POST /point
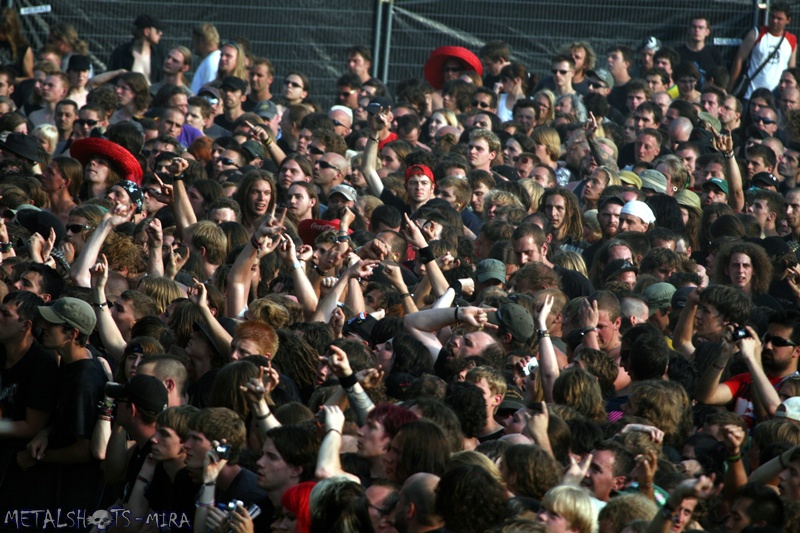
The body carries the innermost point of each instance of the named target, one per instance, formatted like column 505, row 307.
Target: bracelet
column 586, row 330
column 734, row 458
column 255, row 243
column 343, row 238
column 426, row 254
column 348, row 381
column 543, row 334
column 143, row 479
column 5, row 247
column 728, row 155
column 373, row 138
column 405, row 295
column 210, row 483
column 105, row 403
column 179, row 177
column 646, row 485
column 200, row 504
column 456, row 286
column 268, row 141
column 263, row 417
column 335, row 431
column 100, row 305
column 106, row 418
column 296, row 265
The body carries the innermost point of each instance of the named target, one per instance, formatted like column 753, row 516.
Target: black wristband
column 456, row 286
column 426, row 254
column 348, row 381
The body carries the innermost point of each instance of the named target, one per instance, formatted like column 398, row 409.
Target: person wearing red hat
column 449, row 63
column 105, row 164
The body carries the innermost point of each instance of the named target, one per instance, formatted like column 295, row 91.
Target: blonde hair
column 548, row 137
column 535, row 190
column 162, row 290
column 574, row 504
column 49, row 133
column 551, row 97
column 494, row 378
column 570, row 261
column 449, row 117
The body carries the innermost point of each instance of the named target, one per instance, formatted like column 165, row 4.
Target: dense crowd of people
column 483, row 300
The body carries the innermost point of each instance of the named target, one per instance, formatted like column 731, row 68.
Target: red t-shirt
column 741, row 387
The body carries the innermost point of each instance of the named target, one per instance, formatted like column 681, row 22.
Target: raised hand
column 155, row 234
column 543, row 309
column 413, row 233
column 98, row 275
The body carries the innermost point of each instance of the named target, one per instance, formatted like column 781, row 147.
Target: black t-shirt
column 705, row 59
column 134, row 465
column 618, row 97
column 166, row 496
column 223, row 122
column 80, row 388
column 588, row 254
column 244, row 487
column 30, row 383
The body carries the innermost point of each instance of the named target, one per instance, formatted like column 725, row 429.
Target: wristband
column 200, row 504
column 375, row 139
column 343, row 238
column 105, row 403
column 348, row 381
column 426, row 254
column 335, row 431
column 728, row 155
column 210, row 483
column 584, row 331
column 5, row 247
column 268, row 141
column 179, row 177
column 296, row 265
column 734, row 458
column 456, row 286
column 646, row 485
column 143, row 479
column 100, row 305
column 542, row 334
column 405, row 295
column 263, row 417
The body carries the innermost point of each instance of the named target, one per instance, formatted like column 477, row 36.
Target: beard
column 773, row 366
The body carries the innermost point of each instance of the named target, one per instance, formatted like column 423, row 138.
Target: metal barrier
column 312, row 35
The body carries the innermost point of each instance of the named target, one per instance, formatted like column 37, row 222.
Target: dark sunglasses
column 227, row 161
column 766, row 121
column 77, row 228
column 777, row 342
column 596, row 85
column 316, row 151
column 292, row 84
column 87, row 122
column 557, row 71
column 337, row 123
column 324, row 164
column 210, row 99
column 152, row 191
column 482, row 105
column 345, row 94
column 452, row 69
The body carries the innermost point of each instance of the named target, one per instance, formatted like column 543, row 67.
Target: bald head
column 680, row 129
column 337, row 160
column 418, row 503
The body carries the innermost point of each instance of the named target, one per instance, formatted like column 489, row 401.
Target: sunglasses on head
column 314, row 150
column 227, row 161
column 777, row 342
column 87, row 122
column 210, row 99
column 482, row 105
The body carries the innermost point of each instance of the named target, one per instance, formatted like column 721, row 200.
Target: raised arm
column 378, row 129
column 79, row 273
column 266, row 236
column 709, row 390
column 264, row 135
column 303, row 289
column 548, row 364
column 359, row 269
column 155, row 254
column 750, row 348
column 106, row 327
column 256, row 392
column 701, row 488
column 423, row 324
column 413, row 234
column 198, row 295
column 723, row 142
column 684, row 329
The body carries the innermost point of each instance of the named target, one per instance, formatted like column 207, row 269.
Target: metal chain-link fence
column 312, row 35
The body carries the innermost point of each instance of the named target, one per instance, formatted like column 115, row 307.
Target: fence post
column 387, row 45
column 376, row 43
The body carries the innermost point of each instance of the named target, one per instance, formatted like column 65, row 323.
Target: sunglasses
column 596, row 85
column 314, row 150
column 777, row 342
column 766, row 121
column 152, row 191
column 292, row 84
column 227, row 161
column 482, row 105
column 557, row 71
column 345, row 94
column 337, row 123
column 210, row 99
column 77, row 228
column 87, row 122
column 451, row 69
column 324, row 164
